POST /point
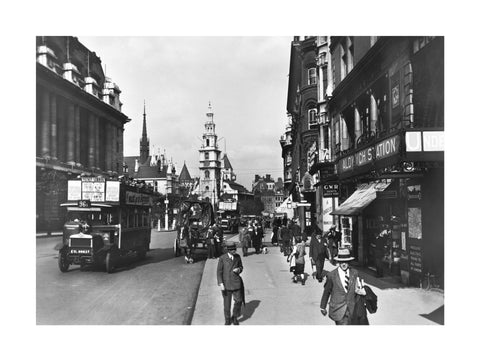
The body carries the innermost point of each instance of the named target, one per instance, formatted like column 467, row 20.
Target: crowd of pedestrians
column 345, row 297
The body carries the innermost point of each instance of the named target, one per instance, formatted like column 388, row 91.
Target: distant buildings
column 79, row 122
column 154, row 169
column 269, row 191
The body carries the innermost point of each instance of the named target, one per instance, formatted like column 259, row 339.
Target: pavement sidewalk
column 273, row 299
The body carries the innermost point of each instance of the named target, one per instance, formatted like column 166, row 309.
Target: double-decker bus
column 106, row 219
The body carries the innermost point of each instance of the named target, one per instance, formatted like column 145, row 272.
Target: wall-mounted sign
column 364, row 156
column 326, row 170
column 138, row 199
column 425, row 141
column 395, row 96
column 415, row 259
column 74, row 192
column 93, row 190
column 330, row 190
column 346, row 164
column 307, row 183
column 383, row 149
column 433, row 141
column 387, row 147
column 112, row 193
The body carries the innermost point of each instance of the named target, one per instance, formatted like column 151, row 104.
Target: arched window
column 312, row 116
column 208, row 142
column 207, row 174
column 312, row 76
column 207, row 156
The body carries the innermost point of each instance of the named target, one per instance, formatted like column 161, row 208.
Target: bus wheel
column 109, row 262
column 63, row 261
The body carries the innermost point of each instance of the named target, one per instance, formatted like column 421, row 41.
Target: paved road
column 160, row 290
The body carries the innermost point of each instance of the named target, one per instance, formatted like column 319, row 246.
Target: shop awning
column 361, row 198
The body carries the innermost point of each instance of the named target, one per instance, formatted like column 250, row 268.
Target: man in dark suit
column 318, row 252
column 228, row 277
column 334, row 239
column 341, row 286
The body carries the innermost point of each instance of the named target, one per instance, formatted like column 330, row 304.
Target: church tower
column 210, row 163
column 144, row 141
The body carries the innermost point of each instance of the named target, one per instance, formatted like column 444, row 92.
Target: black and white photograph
column 136, row 179
column 204, row 164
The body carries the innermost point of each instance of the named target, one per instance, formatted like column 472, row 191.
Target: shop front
column 393, row 217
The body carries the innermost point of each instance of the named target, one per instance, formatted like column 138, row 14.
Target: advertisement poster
column 415, row 223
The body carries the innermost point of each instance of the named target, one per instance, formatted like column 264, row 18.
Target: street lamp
column 166, row 214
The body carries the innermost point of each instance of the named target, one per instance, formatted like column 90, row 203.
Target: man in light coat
column 340, row 288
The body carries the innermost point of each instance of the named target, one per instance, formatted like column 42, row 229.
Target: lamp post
column 166, row 214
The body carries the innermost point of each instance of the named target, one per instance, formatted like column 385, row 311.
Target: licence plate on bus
column 79, row 251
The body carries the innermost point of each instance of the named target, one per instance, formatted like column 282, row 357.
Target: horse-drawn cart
column 197, row 216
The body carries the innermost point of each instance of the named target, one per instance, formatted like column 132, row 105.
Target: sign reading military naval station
column 384, row 149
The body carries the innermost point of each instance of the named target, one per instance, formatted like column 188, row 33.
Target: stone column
column 91, row 140
column 96, row 136
column 53, row 126
column 45, row 123
column 373, row 113
column 114, row 148
column 70, row 133
column 358, row 124
column 77, row 136
column 320, row 91
column 120, row 148
column 322, row 142
column 108, row 147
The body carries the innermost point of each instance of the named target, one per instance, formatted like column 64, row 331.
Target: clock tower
column 210, row 163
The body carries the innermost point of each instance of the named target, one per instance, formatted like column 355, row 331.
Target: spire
column 210, row 112
column 144, row 131
column 144, row 141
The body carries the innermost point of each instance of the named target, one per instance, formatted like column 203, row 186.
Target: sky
column 244, row 78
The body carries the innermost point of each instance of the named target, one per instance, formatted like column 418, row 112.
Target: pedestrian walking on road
column 340, row 289
column 275, row 235
column 218, row 236
column 251, row 232
column 211, row 243
column 185, row 243
column 318, row 252
column 231, row 284
column 244, row 238
column 334, row 238
column 257, row 241
column 298, row 253
column 286, row 236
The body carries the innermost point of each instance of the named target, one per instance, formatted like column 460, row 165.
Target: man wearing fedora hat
column 341, row 286
column 228, row 277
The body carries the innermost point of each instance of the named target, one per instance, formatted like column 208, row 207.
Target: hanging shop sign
column 331, row 190
column 383, row 149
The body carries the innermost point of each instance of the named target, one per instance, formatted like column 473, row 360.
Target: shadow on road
column 156, row 255
column 437, row 315
column 248, row 310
